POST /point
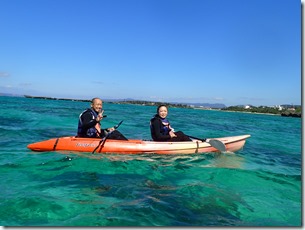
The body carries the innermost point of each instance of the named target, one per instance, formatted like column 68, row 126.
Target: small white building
column 279, row 107
column 247, row 107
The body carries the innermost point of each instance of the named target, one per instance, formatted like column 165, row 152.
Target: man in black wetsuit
column 89, row 123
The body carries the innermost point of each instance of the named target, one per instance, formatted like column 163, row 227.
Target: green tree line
column 265, row 109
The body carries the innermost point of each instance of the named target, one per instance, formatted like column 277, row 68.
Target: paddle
column 103, row 140
column 217, row 144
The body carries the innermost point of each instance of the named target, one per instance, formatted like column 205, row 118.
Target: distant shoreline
column 231, row 111
column 298, row 115
column 285, row 114
column 54, row 98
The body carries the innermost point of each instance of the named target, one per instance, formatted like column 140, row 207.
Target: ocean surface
column 260, row 185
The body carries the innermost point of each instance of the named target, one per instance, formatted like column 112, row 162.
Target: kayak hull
column 233, row 144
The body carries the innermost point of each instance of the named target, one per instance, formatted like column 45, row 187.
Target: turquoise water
column 258, row 186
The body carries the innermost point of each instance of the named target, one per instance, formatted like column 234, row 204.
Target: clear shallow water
column 257, row 186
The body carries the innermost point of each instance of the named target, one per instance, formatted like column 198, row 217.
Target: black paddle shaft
column 201, row 139
column 217, row 144
column 102, row 142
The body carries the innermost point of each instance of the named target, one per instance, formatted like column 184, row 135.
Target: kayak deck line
column 54, row 147
column 135, row 146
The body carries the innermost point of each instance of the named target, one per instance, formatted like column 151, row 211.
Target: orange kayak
column 232, row 144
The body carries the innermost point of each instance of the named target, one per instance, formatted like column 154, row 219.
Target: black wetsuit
column 88, row 122
column 160, row 133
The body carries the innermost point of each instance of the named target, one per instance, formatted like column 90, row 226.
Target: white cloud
column 4, row 74
column 25, row 84
column 98, row 82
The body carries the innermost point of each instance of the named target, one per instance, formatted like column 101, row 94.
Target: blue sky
column 226, row 51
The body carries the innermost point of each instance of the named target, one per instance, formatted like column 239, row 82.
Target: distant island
column 54, row 98
column 283, row 110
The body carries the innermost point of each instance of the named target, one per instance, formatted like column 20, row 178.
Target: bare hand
column 172, row 134
column 111, row 129
column 100, row 116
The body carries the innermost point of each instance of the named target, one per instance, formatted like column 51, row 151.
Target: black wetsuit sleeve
column 87, row 121
column 158, row 136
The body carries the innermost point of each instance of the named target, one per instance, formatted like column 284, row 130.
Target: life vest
column 91, row 132
column 165, row 125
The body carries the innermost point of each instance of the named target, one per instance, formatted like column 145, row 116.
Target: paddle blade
column 117, row 126
column 217, row 145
